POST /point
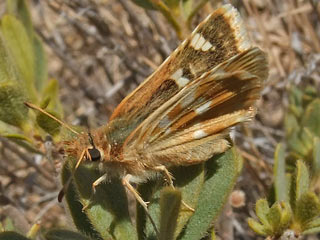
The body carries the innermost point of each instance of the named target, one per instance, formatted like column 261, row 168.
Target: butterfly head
column 94, row 154
column 88, row 148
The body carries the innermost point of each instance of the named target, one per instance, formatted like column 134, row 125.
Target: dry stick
column 32, row 106
column 293, row 50
column 314, row 9
column 226, row 229
column 253, row 12
column 142, row 35
column 310, row 31
column 303, row 9
column 135, row 23
column 123, row 55
column 69, row 63
column 160, row 30
column 261, row 183
column 85, row 33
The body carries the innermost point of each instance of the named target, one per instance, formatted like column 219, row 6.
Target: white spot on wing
column 203, row 108
column 195, row 39
column 179, row 79
column 206, row 46
column 177, row 74
column 200, row 43
column 168, row 131
column 199, row 134
column 182, row 81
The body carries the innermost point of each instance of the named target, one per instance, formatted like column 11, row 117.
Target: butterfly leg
column 94, row 185
column 126, row 183
column 167, row 174
column 170, row 178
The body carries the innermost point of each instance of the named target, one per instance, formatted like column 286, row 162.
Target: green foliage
column 179, row 13
column 64, row 235
column 204, row 188
column 302, row 125
column 170, row 201
column 12, row 236
column 300, row 212
column 274, row 220
column 296, row 175
column 24, row 77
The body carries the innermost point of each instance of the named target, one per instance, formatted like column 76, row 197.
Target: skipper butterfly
column 181, row 115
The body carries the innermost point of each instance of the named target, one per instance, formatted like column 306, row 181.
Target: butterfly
column 182, row 114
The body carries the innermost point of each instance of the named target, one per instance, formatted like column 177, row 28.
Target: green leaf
column 192, row 7
column 21, row 49
column 257, row 227
column 48, row 124
column 311, row 117
column 307, row 209
column 307, row 140
column 221, row 174
column 53, row 106
column 7, row 225
column 286, row 216
column 51, row 96
column 189, row 180
column 170, row 201
column 20, row 9
column 275, row 220
column 296, row 146
column 302, row 179
column 74, row 207
column 316, row 157
column 314, row 224
column 41, row 68
column 12, row 236
column 296, row 101
column 279, row 217
column 274, row 217
column 311, row 231
column 107, row 211
column 64, row 235
column 147, row 4
column 187, row 7
column 172, row 4
column 280, row 179
column 291, row 125
column 8, row 72
column 189, row 187
column 262, row 209
column 12, row 109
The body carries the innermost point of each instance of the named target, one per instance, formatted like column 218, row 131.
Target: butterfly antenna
column 32, row 106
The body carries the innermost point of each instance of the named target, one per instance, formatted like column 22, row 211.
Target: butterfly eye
column 94, row 154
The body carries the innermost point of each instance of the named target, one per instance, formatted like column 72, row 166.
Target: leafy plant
column 295, row 205
column 24, row 77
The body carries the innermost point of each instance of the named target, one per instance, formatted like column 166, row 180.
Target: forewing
column 194, row 124
column 219, row 37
